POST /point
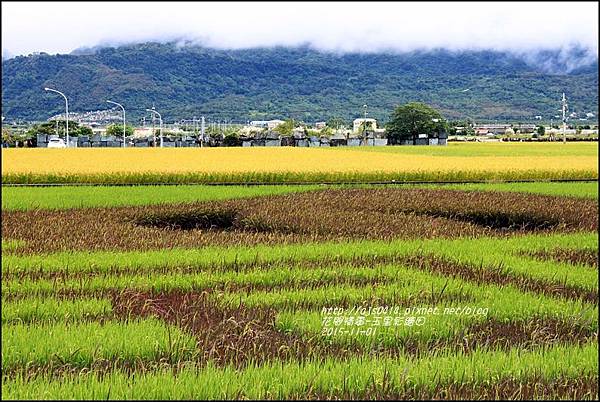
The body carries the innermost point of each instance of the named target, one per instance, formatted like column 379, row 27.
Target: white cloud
column 60, row 27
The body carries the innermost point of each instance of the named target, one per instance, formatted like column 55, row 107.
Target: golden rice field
column 471, row 161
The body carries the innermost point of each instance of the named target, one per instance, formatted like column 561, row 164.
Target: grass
column 11, row 245
column 224, row 267
column 20, row 198
column 45, row 309
column 357, row 377
column 221, row 258
column 80, row 344
column 503, row 304
column 579, row 189
column 27, row 198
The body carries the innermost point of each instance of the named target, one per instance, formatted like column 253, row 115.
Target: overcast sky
column 60, row 27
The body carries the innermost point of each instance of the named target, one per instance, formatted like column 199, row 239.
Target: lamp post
column 122, row 108
column 160, row 125
column 66, row 109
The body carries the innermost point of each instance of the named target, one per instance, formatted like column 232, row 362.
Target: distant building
column 270, row 124
column 98, row 130
column 298, row 131
column 427, row 139
column 524, row 128
column 249, row 131
column 142, row 132
column 320, row 124
column 483, row 129
column 356, row 126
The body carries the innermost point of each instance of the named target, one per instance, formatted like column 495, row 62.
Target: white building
column 142, row 132
column 270, row 124
column 358, row 123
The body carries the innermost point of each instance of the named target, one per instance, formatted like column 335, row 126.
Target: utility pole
column 153, row 132
column 365, row 125
column 564, row 117
column 202, row 132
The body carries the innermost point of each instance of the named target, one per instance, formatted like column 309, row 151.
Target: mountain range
column 187, row 80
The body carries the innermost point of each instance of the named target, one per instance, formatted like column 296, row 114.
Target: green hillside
column 187, row 81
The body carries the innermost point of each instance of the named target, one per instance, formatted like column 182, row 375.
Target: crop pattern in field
column 312, row 216
column 382, row 293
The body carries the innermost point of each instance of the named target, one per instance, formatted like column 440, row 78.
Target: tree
column 232, row 140
column 50, row 128
column 335, row 123
column 312, row 133
column 286, row 128
column 7, row 137
column 541, row 130
column 117, row 130
column 365, row 127
column 452, row 128
column 327, row 131
column 85, row 130
column 213, row 131
column 468, row 131
column 412, row 119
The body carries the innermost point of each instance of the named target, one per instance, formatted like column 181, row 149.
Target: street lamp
column 160, row 124
column 66, row 108
column 122, row 108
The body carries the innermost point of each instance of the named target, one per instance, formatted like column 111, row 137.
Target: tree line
column 406, row 122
